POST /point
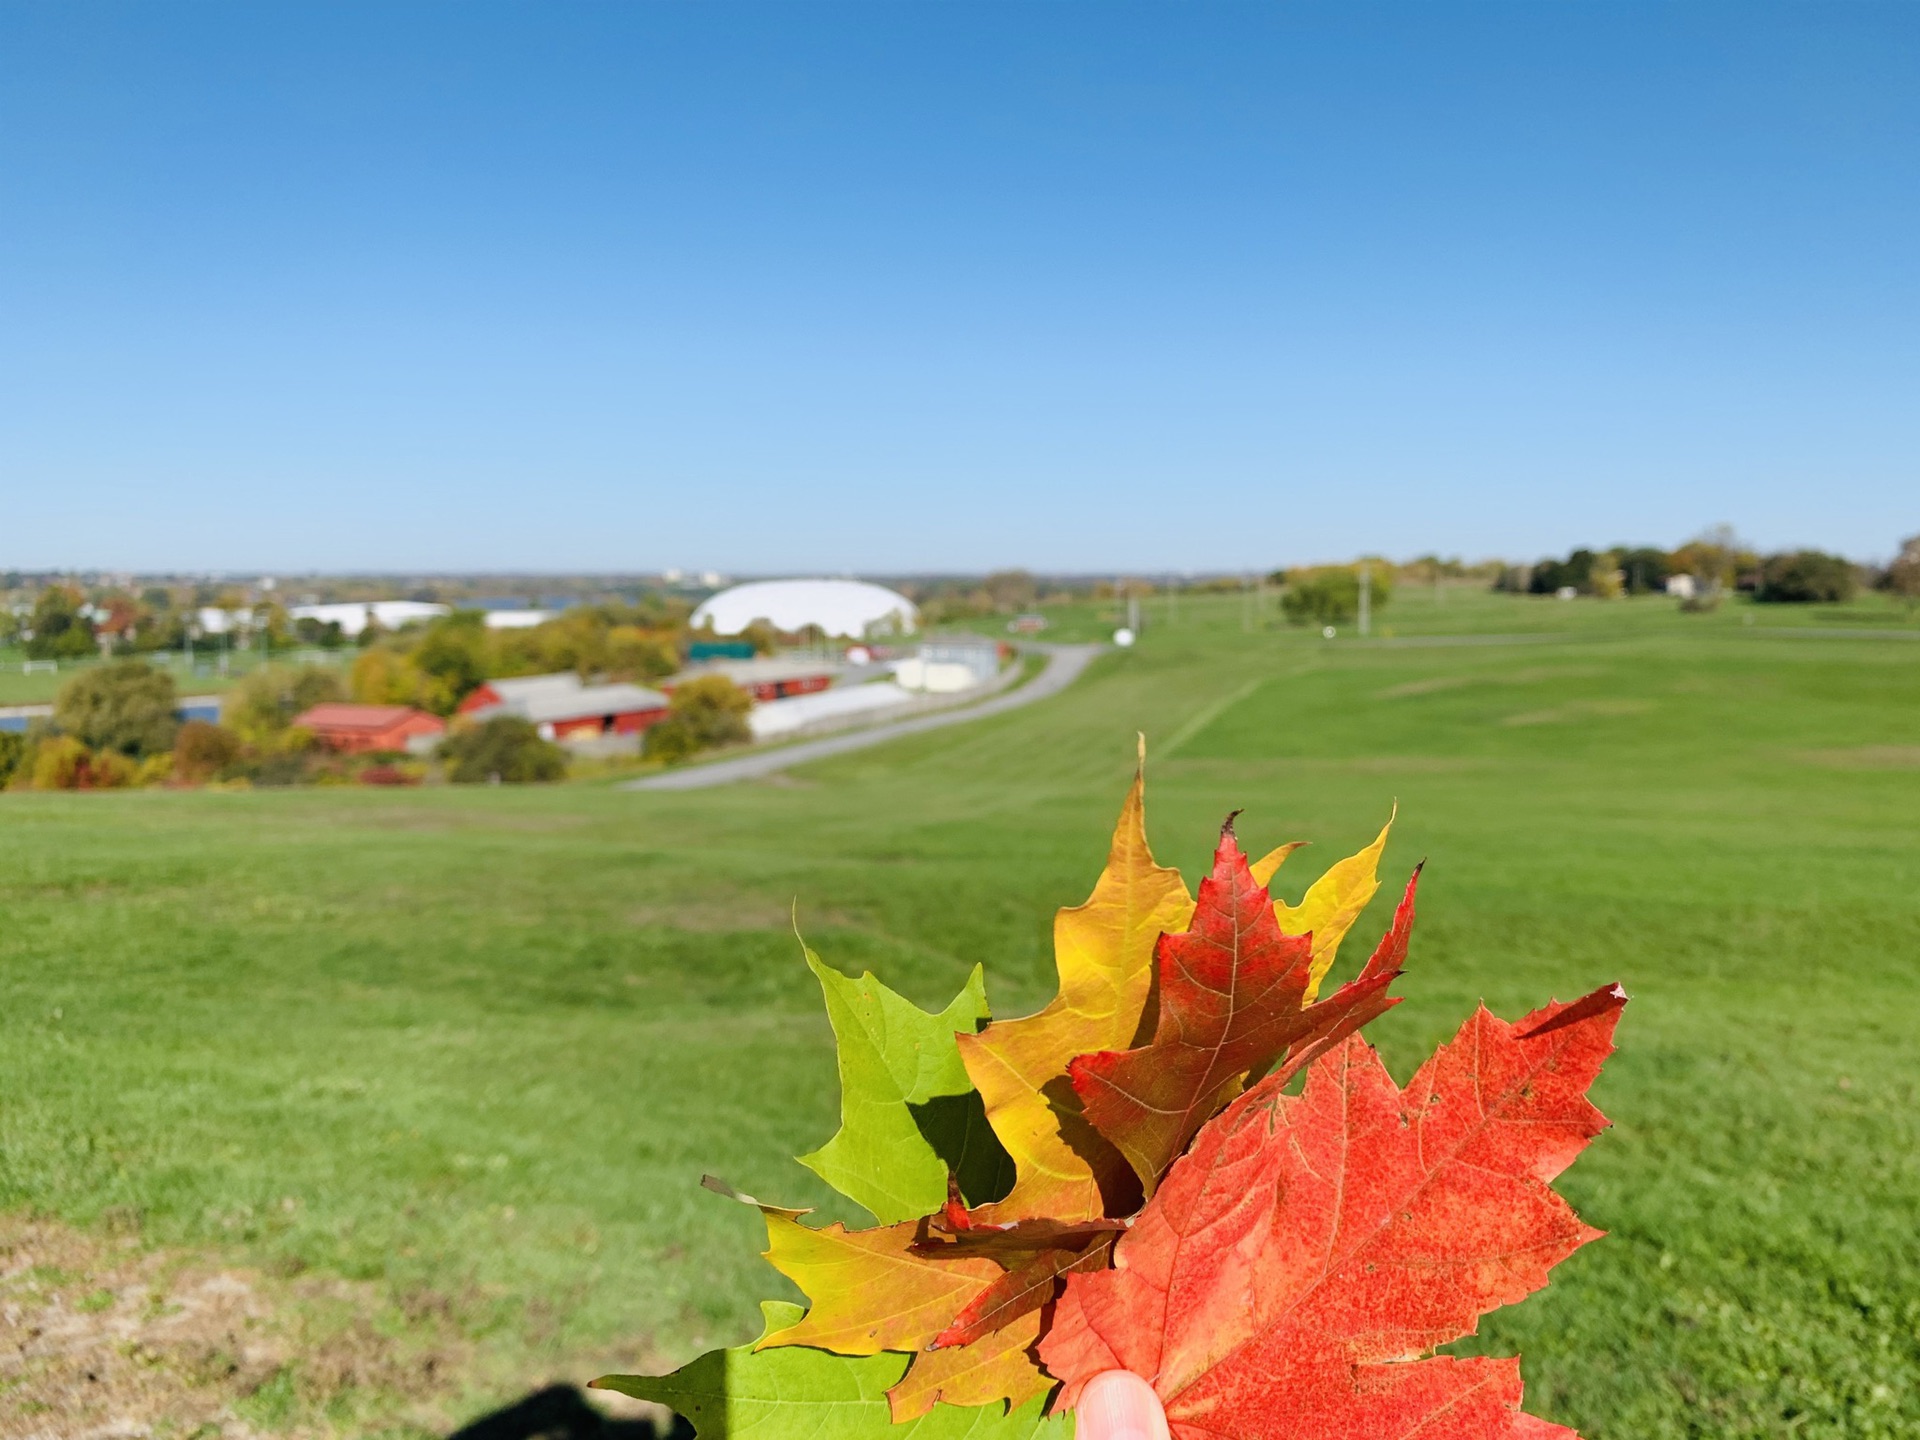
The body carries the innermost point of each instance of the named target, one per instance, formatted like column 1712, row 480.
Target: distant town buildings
column 351, row 616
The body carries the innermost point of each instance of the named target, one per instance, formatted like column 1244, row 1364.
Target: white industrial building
column 352, row 616
column 947, row 666
column 851, row 609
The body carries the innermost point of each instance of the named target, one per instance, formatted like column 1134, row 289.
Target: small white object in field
column 1123, row 637
column 859, row 655
column 1326, row 632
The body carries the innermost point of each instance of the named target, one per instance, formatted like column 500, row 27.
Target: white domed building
column 852, row 609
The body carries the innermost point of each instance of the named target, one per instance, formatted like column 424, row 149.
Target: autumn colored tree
column 202, row 750
column 385, row 676
column 13, row 750
column 637, row 654
column 64, row 762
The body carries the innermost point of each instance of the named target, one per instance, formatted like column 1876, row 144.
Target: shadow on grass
column 560, row 1412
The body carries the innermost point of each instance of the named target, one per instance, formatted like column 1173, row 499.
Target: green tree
column 309, row 631
column 1330, row 595
column 453, row 656
column 268, row 699
column 703, row 713
column 60, row 631
column 505, row 748
column 1552, row 576
column 1806, row 576
column 125, row 707
column 1903, row 575
column 1644, row 569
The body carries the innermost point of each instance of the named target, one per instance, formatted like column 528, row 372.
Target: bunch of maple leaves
column 1276, row 1265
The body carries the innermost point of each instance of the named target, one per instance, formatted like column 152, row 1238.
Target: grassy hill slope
column 478, row 1045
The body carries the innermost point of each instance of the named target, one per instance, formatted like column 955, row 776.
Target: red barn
column 565, row 709
column 356, row 729
column 769, row 678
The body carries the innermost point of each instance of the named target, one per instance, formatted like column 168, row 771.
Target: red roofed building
column 356, row 729
column 767, row 678
column 565, row 709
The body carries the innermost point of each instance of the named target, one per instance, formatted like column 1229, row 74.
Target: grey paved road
column 1065, row 662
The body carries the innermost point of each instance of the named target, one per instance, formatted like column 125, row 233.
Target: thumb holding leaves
column 1119, row 1405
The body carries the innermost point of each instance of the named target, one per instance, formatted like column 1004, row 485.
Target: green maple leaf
column 797, row 1393
column 907, row 1112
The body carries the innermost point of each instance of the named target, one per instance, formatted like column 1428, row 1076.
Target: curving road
column 1064, row 664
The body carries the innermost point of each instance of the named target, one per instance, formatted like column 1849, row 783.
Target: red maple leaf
column 1232, row 998
column 1286, row 1277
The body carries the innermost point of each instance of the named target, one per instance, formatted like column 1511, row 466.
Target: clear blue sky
column 881, row 287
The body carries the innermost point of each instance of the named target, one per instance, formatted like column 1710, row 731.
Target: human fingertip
column 1119, row 1405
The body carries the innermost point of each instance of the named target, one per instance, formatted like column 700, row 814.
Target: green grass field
column 21, row 685
column 480, row 1044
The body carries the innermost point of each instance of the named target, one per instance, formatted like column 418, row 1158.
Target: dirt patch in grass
column 101, row 1337
column 104, row 1337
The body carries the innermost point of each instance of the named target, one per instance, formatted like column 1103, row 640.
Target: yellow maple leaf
column 1103, row 951
column 869, row 1291
column 1332, row 903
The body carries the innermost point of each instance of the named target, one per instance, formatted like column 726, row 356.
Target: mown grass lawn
column 480, row 1044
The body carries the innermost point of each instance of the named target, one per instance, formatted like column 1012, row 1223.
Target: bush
column 1806, row 577
column 670, row 740
column 62, row 762
column 126, row 707
column 703, row 713
column 1331, row 596
column 505, row 748
column 201, row 751
column 154, row 770
column 13, row 749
